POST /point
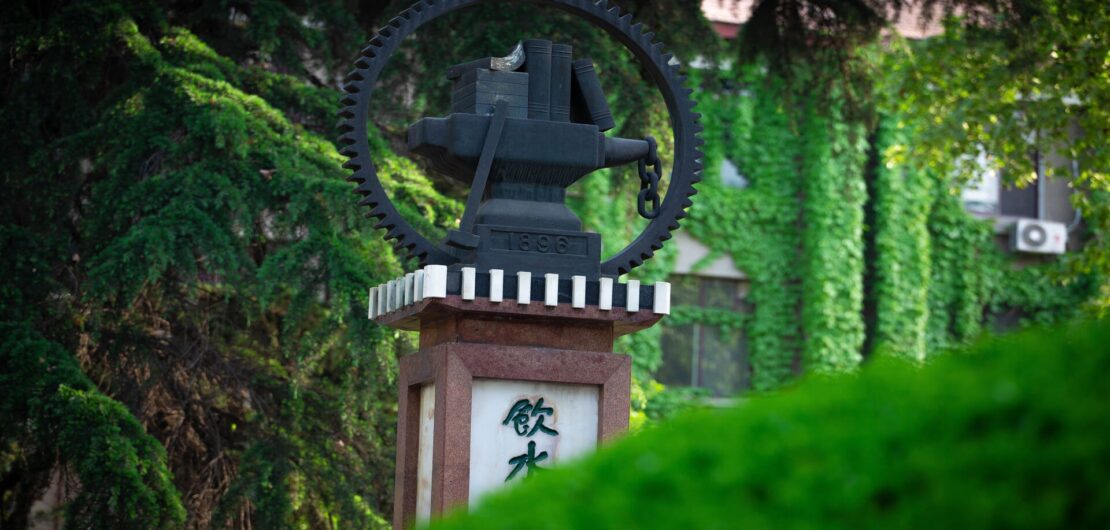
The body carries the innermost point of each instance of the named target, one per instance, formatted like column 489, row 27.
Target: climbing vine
column 900, row 247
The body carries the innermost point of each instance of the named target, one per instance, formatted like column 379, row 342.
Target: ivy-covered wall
column 848, row 250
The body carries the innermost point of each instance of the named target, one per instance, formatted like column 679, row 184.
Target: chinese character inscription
column 527, row 419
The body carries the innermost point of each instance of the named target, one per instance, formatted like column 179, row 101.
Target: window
column 709, row 352
column 989, row 195
column 731, row 175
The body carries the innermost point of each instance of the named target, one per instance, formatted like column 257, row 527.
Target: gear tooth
column 686, row 202
column 649, row 36
column 665, row 237
column 345, row 126
column 638, row 28
column 667, row 58
column 386, row 31
column 362, row 62
column 353, row 75
column 348, row 138
column 383, row 223
column 374, row 47
column 686, row 91
column 348, row 151
column 397, row 22
column 365, row 187
column 353, row 165
column 615, row 12
column 348, row 101
column 695, row 115
column 698, row 142
column 351, row 88
column 626, row 21
column 673, row 225
column 347, row 113
column 368, row 201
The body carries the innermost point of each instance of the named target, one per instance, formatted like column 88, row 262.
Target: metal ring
column 359, row 86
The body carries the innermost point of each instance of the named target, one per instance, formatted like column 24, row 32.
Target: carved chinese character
column 523, row 412
column 526, row 461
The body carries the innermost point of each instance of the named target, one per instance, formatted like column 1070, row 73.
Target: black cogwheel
column 686, row 166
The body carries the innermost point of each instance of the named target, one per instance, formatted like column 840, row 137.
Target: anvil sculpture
column 522, row 129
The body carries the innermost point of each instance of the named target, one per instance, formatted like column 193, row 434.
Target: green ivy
column 832, row 200
column 901, row 260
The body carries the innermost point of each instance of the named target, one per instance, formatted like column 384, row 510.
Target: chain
column 650, row 168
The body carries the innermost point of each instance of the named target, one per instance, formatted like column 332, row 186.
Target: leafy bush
column 1013, row 435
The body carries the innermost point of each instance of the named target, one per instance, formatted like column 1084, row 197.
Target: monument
column 517, row 311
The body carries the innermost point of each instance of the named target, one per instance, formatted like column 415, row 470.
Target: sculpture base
column 495, row 392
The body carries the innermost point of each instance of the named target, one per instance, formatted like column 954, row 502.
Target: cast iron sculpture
column 522, row 128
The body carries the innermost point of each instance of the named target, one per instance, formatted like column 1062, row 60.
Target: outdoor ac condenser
column 1039, row 237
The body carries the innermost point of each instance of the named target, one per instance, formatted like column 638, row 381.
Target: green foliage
column 796, row 230
column 832, row 197
column 1010, row 435
column 757, row 225
column 175, row 220
column 176, row 217
column 53, row 415
column 183, row 224
column 961, row 248
column 1028, row 76
column 901, row 200
column 1041, row 295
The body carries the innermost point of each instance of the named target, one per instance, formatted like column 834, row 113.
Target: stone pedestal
column 499, row 389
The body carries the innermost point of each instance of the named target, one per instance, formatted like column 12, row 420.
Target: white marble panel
column 662, row 302
column 496, row 437
column 469, row 276
column 633, row 296
column 523, row 287
column 372, row 302
column 496, row 285
column 424, row 452
column 418, row 285
column 551, row 289
column 435, row 281
column 578, row 294
column 605, row 294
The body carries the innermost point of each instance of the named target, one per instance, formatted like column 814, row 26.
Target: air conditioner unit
column 1039, row 237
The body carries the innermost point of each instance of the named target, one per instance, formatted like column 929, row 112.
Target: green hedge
column 1014, row 434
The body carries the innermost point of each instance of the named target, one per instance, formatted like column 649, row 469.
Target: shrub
column 1011, row 434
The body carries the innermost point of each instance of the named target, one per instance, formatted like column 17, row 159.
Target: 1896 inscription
column 539, row 242
column 543, row 243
